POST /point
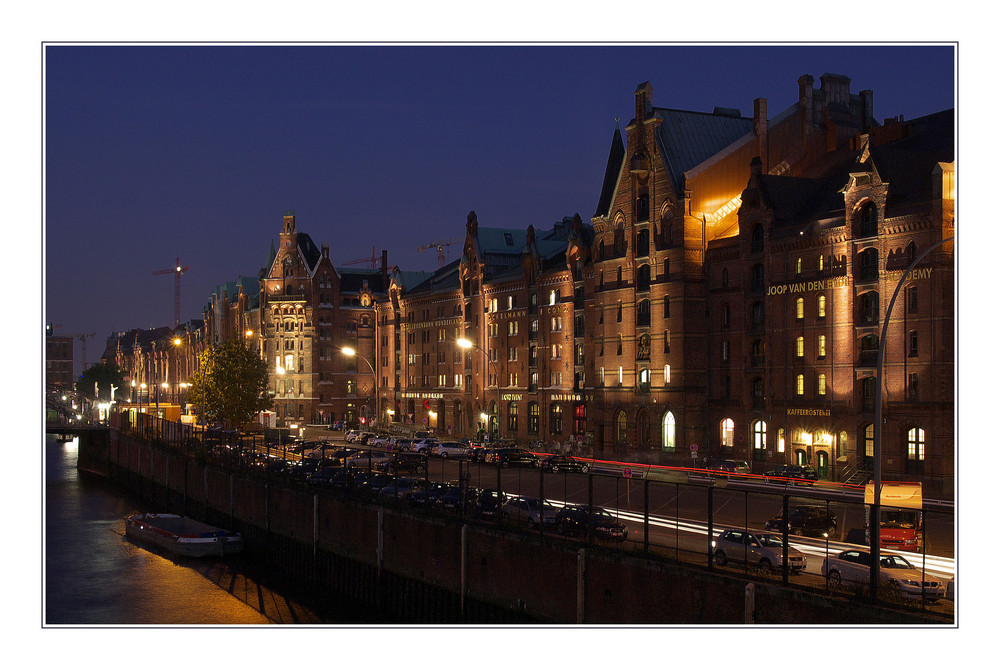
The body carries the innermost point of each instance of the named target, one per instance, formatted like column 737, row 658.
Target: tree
column 232, row 386
column 105, row 375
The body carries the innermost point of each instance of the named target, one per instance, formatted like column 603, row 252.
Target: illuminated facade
column 726, row 299
column 798, row 301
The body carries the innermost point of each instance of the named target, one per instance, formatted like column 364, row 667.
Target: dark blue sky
column 158, row 152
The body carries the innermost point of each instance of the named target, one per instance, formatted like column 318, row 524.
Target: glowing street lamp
column 469, row 344
column 350, row 352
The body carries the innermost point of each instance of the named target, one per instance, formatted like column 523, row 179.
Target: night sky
column 157, row 152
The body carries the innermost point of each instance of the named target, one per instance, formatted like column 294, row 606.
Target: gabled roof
column 686, row 139
column 611, row 173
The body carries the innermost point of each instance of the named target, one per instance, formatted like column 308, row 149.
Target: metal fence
column 672, row 514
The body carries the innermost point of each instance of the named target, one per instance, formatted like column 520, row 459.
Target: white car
column 352, row 435
column 379, row 441
column 763, row 550
column 450, row 450
column 895, row 571
column 424, row 445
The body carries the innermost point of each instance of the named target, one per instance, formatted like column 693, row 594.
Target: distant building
column 58, row 361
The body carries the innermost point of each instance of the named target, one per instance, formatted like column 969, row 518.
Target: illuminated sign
column 797, row 411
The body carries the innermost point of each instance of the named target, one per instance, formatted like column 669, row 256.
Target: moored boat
column 181, row 535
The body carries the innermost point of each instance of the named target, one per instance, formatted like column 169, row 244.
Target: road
column 678, row 510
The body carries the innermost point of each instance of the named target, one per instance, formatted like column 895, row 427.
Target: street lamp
column 348, row 351
column 875, row 524
column 469, row 344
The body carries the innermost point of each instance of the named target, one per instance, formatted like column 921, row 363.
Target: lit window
column 821, row 346
column 800, row 346
column 727, row 430
column 821, row 384
column 821, row 307
column 915, row 444
column 800, row 384
column 800, row 308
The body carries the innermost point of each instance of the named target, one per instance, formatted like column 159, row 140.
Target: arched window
column 533, row 416
column 642, row 279
column 915, row 444
column 757, row 277
column 512, row 417
column 579, row 419
column 757, row 239
column 555, row 419
column 867, row 222
column 642, row 243
column 669, row 432
column 800, row 309
column 642, row 313
column 867, row 265
column 757, row 315
column 868, row 309
column 727, row 430
column 758, row 429
column 621, row 428
column 821, row 307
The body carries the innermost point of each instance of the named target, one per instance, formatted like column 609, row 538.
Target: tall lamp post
column 350, row 352
column 875, row 524
column 469, row 344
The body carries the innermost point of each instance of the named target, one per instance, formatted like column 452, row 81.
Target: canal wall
column 424, row 568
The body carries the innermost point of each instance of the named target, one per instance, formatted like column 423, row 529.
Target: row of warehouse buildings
column 727, row 298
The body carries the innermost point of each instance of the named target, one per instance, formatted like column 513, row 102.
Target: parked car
column 576, row 520
column 895, row 572
column 458, row 498
column 365, row 460
column 529, row 512
column 402, row 462
column 372, row 481
column 429, row 494
column 352, row 435
column 379, row 441
column 792, row 474
column 423, row 445
column 804, row 520
column 331, row 476
column 764, row 550
column 488, row 504
column 727, row 467
column 450, row 450
column 519, row 457
column 559, row 462
column 402, row 487
column 365, row 437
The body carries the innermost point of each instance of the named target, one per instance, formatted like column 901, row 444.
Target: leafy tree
column 232, row 386
column 105, row 375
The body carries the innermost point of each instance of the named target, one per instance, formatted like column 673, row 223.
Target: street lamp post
column 348, row 351
column 469, row 344
column 875, row 524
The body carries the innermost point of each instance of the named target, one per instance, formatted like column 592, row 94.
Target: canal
column 94, row 576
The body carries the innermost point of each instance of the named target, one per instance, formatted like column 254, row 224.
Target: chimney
column 643, row 101
column 760, row 127
column 868, row 109
column 806, row 103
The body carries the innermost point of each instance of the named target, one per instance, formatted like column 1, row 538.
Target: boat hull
column 181, row 535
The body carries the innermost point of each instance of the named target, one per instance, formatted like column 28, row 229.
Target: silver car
column 528, row 511
column 764, row 550
column 450, row 450
column 894, row 571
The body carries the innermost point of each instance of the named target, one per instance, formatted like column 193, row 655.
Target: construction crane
column 440, row 247
column 176, row 271
column 373, row 260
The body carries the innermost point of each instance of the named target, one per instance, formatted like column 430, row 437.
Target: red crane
column 176, row 271
column 373, row 260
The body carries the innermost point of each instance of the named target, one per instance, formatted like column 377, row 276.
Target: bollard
column 748, row 603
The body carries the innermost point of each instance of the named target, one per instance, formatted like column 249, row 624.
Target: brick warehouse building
column 728, row 292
